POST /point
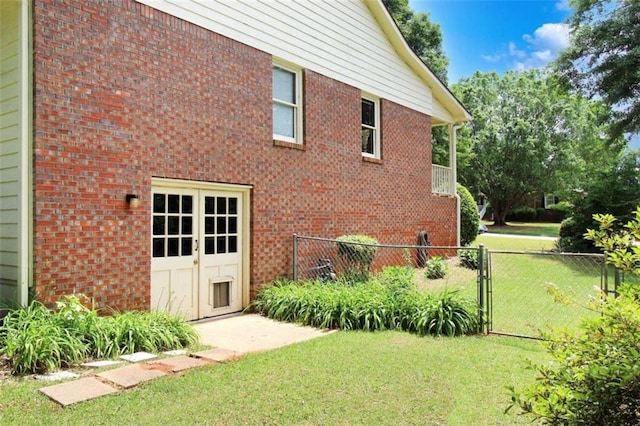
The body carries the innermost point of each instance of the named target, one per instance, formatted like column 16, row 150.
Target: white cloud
column 563, row 5
column 552, row 36
column 538, row 49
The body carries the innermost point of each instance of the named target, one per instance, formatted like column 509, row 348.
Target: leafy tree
column 524, row 138
column 423, row 36
column 595, row 379
column 469, row 217
column 602, row 59
column 615, row 189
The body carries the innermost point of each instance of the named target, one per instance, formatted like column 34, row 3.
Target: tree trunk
column 500, row 215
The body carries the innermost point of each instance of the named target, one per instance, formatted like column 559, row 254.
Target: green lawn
column 343, row 378
column 522, row 285
column 525, row 228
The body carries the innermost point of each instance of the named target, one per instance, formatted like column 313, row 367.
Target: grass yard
column 525, row 228
column 343, row 378
column 523, row 302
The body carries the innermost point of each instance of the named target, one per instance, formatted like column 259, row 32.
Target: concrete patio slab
column 181, row 363
column 131, row 375
column 77, row 391
column 218, row 355
column 253, row 333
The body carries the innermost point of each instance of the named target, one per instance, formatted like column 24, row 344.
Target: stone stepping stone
column 176, row 352
column 180, row 363
column 57, row 375
column 131, row 375
column 218, row 355
column 99, row 364
column 138, row 356
column 77, row 391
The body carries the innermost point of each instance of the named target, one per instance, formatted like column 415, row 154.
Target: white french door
column 197, row 251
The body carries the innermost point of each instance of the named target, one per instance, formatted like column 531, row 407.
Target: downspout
column 453, row 138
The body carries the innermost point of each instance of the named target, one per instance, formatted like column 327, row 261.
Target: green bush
column 435, row 268
column 469, row 216
column 36, row 339
column 595, row 379
column 468, row 258
column 390, row 300
column 356, row 253
column 522, row 214
column 615, row 190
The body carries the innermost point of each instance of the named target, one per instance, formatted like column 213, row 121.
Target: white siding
column 337, row 38
column 14, row 152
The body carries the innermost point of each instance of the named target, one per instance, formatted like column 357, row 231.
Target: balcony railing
column 441, row 180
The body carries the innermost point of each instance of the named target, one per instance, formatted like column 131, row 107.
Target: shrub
column 442, row 314
column 596, row 376
column 35, row 342
column 435, row 268
column 522, row 214
column 356, row 253
column 468, row 258
column 469, row 216
column 615, row 190
column 36, row 339
column 388, row 301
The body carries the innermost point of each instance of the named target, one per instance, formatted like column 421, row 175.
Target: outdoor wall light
column 133, row 201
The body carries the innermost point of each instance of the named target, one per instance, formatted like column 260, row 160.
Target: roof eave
column 440, row 91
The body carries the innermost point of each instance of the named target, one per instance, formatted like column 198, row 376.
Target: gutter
column 453, row 139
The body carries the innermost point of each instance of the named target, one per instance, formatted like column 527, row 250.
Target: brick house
column 161, row 154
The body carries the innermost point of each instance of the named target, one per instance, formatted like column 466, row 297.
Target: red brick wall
column 124, row 93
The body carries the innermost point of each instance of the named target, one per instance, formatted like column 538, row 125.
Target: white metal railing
column 441, row 179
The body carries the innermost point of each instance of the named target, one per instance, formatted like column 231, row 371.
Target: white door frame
column 244, row 191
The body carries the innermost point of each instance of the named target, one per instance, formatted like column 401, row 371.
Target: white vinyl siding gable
column 14, row 152
column 351, row 47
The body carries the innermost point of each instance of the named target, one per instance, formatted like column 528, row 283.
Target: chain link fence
column 531, row 292
column 327, row 259
column 520, row 293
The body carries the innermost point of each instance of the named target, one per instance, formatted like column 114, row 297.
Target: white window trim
column 298, row 126
column 547, row 198
column 376, row 135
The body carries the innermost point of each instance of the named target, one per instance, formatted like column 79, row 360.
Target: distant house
column 160, row 154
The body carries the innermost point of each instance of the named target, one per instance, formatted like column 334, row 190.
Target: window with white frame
column 287, row 104
column 549, row 200
column 370, row 127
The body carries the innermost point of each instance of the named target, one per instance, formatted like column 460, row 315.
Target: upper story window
column 287, row 104
column 370, row 127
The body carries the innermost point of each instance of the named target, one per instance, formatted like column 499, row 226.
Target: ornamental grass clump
column 36, row 339
column 389, row 300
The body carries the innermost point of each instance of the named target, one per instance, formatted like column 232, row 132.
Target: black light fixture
column 133, row 201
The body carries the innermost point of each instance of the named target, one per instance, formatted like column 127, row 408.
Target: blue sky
column 500, row 35
column 497, row 35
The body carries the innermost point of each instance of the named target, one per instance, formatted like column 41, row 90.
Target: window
column 370, row 128
column 549, row 200
column 287, row 104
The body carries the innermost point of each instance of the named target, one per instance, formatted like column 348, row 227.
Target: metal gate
column 525, row 293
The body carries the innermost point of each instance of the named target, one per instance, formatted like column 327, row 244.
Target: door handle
column 195, row 261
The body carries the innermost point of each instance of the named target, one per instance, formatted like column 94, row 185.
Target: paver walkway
column 231, row 337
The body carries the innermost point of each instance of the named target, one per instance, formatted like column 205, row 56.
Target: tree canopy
column 423, row 36
column 603, row 58
column 527, row 137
